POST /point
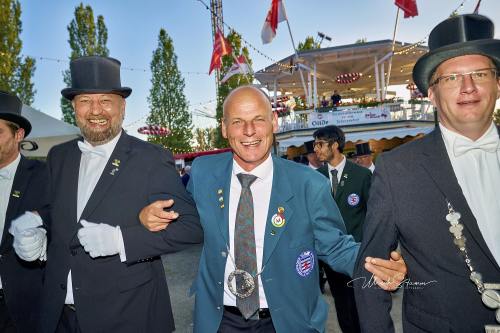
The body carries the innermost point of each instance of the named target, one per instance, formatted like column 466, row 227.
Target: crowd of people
column 82, row 234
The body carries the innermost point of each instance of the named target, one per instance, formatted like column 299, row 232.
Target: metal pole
column 392, row 51
column 377, row 79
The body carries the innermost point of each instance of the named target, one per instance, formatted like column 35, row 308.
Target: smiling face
column 466, row 109
column 249, row 124
column 99, row 116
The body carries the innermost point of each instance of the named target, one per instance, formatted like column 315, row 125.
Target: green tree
column 496, row 117
column 86, row 37
column 16, row 71
column 235, row 81
column 167, row 102
column 361, row 40
column 205, row 138
column 308, row 44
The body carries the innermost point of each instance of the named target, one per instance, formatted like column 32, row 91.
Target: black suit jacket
column 112, row 296
column 352, row 196
column 21, row 280
column 408, row 205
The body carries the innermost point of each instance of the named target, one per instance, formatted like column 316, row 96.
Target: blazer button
column 63, row 286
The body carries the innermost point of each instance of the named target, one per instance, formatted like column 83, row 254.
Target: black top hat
column 363, row 149
column 309, row 146
column 455, row 37
column 10, row 110
column 95, row 74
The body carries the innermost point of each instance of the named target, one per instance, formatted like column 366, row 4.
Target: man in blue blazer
column 295, row 222
column 23, row 184
column 104, row 272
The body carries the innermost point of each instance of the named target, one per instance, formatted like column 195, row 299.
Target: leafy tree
column 496, row 117
column 86, row 37
column 167, row 102
column 235, row 81
column 308, row 44
column 361, row 40
column 204, row 138
column 16, row 71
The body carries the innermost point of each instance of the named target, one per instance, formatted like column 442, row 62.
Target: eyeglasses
column 320, row 143
column 455, row 80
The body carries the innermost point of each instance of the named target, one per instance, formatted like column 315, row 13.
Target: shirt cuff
column 121, row 245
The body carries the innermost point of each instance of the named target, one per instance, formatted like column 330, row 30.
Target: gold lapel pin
column 16, row 194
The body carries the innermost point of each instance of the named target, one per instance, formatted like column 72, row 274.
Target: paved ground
column 181, row 269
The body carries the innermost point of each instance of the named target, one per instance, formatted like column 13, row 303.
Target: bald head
column 246, row 93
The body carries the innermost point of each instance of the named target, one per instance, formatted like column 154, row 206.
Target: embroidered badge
column 305, row 263
column 16, row 194
column 353, row 199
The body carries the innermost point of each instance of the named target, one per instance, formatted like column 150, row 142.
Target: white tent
column 47, row 131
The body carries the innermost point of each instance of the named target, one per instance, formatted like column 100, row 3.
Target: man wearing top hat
column 438, row 196
column 104, row 272
column 363, row 156
column 350, row 185
column 23, row 184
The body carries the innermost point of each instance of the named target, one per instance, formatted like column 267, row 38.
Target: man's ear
column 19, row 135
column 223, row 128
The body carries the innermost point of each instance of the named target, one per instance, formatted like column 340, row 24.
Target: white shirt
column 339, row 168
column 5, row 190
column 372, row 167
column 91, row 168
column 261, row 194
column 478, row 174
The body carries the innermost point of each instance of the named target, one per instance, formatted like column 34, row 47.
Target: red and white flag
column 221, row 48
column 275, row 15
column 409, row 7
column 239, row 67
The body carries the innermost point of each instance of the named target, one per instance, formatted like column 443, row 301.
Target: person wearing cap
column 23, row 185
column 438, row 196
column 104, row 272
column 350, row 185
column 363, row 156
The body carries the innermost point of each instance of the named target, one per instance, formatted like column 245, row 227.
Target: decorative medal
column 247, row 285
column 278, row 220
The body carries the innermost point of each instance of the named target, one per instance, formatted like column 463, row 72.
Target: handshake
column 98, row 239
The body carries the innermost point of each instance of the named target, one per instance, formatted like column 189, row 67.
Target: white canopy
column 47, row 131
column 401, row 132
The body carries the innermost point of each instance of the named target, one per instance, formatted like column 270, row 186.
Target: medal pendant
column 248, row 284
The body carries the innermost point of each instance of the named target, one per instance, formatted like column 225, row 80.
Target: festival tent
column 46, row 131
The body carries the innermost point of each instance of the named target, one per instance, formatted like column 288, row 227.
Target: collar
column 107, row 148
column 450, row 137
column 8, row 171
column 261, row 171
column 339, row 167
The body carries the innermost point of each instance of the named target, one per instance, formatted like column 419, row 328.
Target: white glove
column 100, row 239
column 31, row 244
column 26, row 221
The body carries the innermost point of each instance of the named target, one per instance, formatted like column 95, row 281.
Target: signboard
column 348, row 117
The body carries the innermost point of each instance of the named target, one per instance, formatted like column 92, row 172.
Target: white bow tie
column 5, row 174
column 488, row 144
column 89, row 149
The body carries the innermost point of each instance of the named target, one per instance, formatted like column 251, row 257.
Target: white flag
column 275, row 15
column 239, row 67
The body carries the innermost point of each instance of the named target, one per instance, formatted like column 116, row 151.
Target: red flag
column 476, row 10
column 275, row 15
column 221, row 48
column 408, row 6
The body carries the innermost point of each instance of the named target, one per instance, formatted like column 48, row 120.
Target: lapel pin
column 221, row 199
column 16, row 194
column 342, row 183
column 345, row 176
column 278, row 220
column 115, row 170
column 116, row 162
column 222, row 206
column 219, row 191
column 273, row 232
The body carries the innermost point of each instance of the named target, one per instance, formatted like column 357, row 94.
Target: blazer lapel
column 437, row 164
column 221, row 187
column 281, row 194
column 344, row 179
column 111, row 172
column 19, row 185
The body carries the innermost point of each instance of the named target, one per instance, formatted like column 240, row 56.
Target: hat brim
column 19, row 120
column 427, row 64
column 70, row 93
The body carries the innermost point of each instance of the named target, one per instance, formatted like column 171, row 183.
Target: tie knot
column 334, row 172
column 245, row 179
column 89, row 149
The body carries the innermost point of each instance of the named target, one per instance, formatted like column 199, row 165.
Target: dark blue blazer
column 110, row 295
column 21, row 280
column 312, row 225
column 408, row 205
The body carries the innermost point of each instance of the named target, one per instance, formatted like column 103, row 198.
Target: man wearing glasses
column 438, row 197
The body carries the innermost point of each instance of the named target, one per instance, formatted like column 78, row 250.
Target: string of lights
column 247, row 43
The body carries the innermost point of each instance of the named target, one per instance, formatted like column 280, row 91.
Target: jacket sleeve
column 380, row 236
column 164, row 183
column 332, row 243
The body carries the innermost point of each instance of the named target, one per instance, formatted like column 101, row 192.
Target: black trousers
column 68, row 322
column 347, row 313
column 233, row 323
column 6, row 323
